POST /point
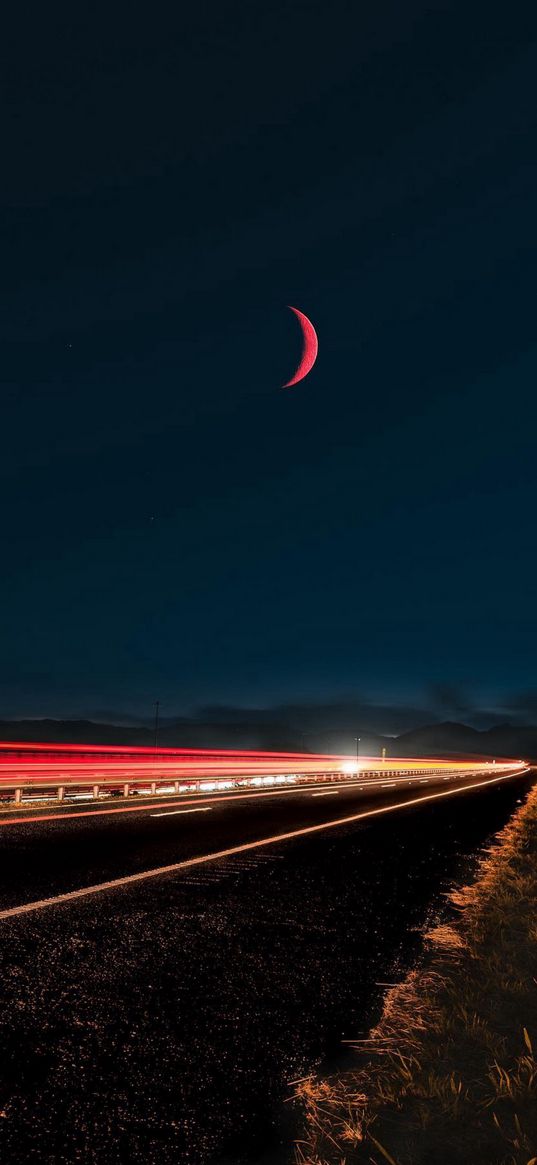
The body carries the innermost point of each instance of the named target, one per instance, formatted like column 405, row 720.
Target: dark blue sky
column 173, row 523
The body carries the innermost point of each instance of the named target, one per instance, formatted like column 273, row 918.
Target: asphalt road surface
column 77, row 852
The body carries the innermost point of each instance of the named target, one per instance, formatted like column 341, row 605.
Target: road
column 59, row 858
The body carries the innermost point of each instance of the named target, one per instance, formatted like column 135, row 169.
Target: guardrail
column 25, row 791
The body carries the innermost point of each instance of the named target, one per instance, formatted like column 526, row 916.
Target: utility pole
column 157, row 708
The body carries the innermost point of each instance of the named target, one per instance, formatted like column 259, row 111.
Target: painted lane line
column 176, row 812
column 330, row 793
column 130, row 879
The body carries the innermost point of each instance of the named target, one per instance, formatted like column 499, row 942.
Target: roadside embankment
column 449, row 1074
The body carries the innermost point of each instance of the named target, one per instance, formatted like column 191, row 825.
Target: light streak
column 33, row 763
column 188, row 863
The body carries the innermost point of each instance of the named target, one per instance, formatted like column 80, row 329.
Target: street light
column 357, row 739
column 154, row 781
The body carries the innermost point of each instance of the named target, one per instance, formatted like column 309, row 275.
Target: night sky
column 175, row 525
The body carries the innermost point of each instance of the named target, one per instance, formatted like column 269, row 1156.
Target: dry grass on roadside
column 449, row 1075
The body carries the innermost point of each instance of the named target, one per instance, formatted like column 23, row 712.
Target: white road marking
column 130, row 879
column 330, row 793
column 176, row 812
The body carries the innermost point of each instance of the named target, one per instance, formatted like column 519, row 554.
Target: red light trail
column 29, row 770
column 41, row 763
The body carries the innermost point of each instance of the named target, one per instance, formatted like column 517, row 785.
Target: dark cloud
column 522, row 705
column 449, row 697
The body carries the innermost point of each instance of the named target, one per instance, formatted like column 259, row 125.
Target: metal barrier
column 27, row 791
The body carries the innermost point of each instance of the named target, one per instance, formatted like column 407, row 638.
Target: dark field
column 164, row 1022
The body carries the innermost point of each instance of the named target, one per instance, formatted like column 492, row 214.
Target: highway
column 58, row 855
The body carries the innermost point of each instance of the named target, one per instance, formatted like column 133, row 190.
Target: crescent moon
column 309, row 349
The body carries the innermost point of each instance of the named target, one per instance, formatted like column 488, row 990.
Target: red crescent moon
column 309, row 350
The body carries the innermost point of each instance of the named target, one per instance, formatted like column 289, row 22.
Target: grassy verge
column 449, row 1075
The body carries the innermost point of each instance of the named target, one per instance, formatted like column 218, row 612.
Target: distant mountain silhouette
column 238, row 728
column 73, row 732
column 178, row 734
column 433, row 739
column 459, row 739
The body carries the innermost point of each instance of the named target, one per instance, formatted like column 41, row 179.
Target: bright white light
column 350, row 767
column 37, row 800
